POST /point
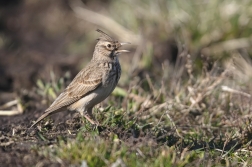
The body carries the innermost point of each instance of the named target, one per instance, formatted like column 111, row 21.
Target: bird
column 92, row 84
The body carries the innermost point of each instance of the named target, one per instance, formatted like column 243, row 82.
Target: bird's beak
column 123, row 51
column 124, row 43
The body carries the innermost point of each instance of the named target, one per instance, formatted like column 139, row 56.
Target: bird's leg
column 89, row 116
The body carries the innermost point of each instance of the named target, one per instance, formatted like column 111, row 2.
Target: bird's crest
column 104, row 36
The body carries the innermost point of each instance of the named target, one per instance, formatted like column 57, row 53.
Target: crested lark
column 92, row 84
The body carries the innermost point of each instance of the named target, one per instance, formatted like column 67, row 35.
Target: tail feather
column 41, row 118
column 46, row 114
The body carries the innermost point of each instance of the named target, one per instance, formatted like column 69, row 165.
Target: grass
column 197, row 122
column 195, row 111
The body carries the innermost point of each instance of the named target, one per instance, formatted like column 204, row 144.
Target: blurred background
column 37, row 37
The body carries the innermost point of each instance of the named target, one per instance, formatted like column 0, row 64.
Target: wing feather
column 86, row 81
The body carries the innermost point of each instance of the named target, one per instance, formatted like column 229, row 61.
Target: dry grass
column 195, row 111
column 202, row 119
column 184, row 98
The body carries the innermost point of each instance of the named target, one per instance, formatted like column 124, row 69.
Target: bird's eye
column 108, row 45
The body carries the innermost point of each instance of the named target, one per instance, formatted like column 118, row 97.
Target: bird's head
column 107, row 46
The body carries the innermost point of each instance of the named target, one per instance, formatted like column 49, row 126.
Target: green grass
column 197, row 123
column 167, row 132
column 194, row 113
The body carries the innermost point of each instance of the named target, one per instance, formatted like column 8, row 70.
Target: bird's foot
column 93, row 122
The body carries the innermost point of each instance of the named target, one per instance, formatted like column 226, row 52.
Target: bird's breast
column 111, row 74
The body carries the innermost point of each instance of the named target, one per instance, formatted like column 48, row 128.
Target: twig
column 9, row 104
column 9, row 112
column 228, row 89
column 140, row 152
column 6, row 144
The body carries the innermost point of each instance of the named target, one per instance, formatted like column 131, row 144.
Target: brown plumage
column 92, row 84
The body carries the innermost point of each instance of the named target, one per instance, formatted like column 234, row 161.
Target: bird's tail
column 46, row 114
column 41, row 118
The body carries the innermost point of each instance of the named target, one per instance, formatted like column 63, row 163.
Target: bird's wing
column 86, row 81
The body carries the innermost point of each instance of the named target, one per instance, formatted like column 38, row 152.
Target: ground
column 184, row 97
